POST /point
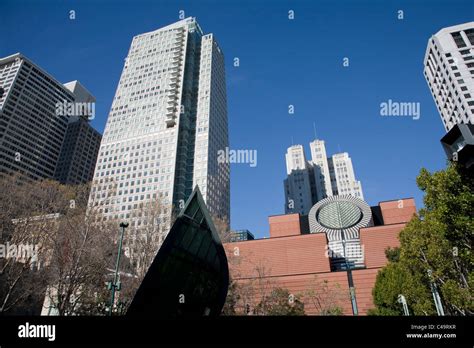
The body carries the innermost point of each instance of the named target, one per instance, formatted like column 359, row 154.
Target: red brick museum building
column 295, row 256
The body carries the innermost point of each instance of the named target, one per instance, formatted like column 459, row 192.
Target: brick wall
column 298, row 262
column 375, row 240
column 282, row 256
column 284, row 225
column 398, row 211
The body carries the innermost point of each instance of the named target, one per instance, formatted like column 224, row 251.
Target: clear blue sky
column 282, row 62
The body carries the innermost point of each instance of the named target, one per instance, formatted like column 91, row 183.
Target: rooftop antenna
column 339, row 147
column 292, row 142
column 315, row 134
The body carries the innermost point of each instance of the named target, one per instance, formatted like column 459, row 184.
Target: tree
column 27, row 215
column 222, row 228
column 147, row 239
column 76, row 247
column 280, row 302
column 232, row 298
column 395, row 279
column 143, row 245
column 259, row 294
column 81, row 255
column 73, row 248
column 234, row 292
column 79, row 250
column 326, row 299
column 435, row 248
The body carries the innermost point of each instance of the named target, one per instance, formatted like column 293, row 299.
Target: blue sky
column 282, row 62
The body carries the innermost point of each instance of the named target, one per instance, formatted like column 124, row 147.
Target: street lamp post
column 348, row 266
column 436, row 297
column 401, row 299
column 350, row 280
column 116, row 285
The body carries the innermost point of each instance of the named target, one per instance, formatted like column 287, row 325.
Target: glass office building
column 240, row 235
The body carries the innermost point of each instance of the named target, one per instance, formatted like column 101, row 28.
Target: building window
column 470, row 35
column 458, row 39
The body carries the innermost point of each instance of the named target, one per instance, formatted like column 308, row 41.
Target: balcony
column 171, row 108
column 173, row 84
column 170, row 121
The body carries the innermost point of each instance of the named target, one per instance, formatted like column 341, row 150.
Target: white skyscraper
column 308, row 182
column 449, row 71
column 321, row 169
column 298, row 193
column 167, row 121
column 343, row 181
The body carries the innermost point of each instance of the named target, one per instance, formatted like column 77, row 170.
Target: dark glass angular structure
column 189, row 276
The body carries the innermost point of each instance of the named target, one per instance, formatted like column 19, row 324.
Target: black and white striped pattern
column 351, row 231
column 344, row 214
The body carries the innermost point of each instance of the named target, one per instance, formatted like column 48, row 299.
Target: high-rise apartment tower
column 449, row 71
column 167, row 122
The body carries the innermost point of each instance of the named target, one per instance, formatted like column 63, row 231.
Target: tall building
column 79, row 151
column 323, row 186
column 31, row 130
column 240, row 235
column 449, row 71
column 341, row 173
column 298, row 193
column 78, row 154
column 167, row 122
column 308, row 182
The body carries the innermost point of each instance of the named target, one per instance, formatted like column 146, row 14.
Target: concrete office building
column 82, row 142
column 167, row 122
column 78, row 153
column 449, row 71
column 309, row 181
column 31, row 131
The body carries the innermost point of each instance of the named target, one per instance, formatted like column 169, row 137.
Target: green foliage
column 438, row 239
column 280, row 302
column 336, row 310
column 325, row 297
column 392, row 254
column 395, row 279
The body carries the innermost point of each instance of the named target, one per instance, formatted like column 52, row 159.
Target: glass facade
column 189, row 276
column 241, row 235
